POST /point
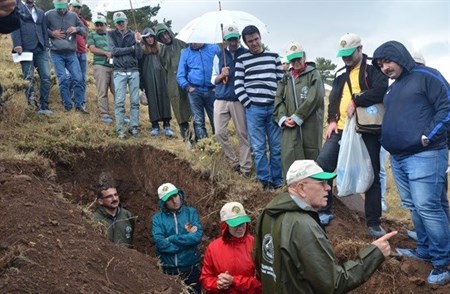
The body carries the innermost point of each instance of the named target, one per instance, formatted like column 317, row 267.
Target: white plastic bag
column 354, row 168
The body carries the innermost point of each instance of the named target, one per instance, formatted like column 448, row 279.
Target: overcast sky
column 318, row 24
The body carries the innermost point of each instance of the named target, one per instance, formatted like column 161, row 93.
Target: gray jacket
column 56, row 21
column 31, row 34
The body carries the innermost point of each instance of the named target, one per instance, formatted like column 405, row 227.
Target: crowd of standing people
column 278, row 115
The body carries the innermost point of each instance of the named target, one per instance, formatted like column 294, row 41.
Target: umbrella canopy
column 109, row 5
column 207, row 28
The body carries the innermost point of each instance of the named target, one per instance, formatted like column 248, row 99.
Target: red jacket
column 232, row 255
column 81, row 39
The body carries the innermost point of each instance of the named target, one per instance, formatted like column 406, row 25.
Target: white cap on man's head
column 418, row 57
column 119, row 16
column 302, row 169
column 348, row 44
column 167, row 190
column 295, row 50
column 230, row 31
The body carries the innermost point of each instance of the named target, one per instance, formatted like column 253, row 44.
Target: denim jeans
column 262, row 129
column 422, row 185
column 383, row 155
column 201, row 100
column 61, row 62
column 121, row 80
column 40, row 62
column 82, row 59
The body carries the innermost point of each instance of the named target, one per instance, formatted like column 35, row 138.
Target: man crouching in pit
column 118, row 221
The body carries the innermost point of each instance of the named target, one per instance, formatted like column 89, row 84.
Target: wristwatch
column 425, row 141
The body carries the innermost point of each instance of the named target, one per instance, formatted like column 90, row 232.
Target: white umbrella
column 110, row 5
column 207, row 28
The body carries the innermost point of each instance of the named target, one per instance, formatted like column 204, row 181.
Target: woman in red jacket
column 228, row 266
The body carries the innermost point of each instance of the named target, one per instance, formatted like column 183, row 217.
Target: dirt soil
column 50, row 244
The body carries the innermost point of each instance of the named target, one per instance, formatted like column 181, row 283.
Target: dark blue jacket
column 226, row 91
column 125, row 58
column 416, row 104
column 195, row 67
column 31, row 34
column 176, row 248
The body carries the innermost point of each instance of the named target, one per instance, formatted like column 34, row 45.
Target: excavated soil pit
column 50, row 244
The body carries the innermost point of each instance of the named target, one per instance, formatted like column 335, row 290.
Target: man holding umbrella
column 227, row 104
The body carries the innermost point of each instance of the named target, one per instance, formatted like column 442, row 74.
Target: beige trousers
column 223, row 111
column 103, row 80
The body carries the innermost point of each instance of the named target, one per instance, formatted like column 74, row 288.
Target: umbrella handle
column 225, row 80
column 134, row 17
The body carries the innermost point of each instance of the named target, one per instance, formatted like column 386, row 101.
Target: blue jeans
column 121, row 80
column 262, row 129
column 61, row 62
column 201, row 100
column 82, row 59
column 40, row 62
column 383, row 155
column 422, row 184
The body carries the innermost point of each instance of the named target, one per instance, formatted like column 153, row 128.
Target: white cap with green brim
column 302, row 169
column 167, row 190
column 295, row 50
column 233, row 214
column 348, row 44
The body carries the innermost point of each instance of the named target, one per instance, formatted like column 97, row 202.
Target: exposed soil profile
column 50, row 244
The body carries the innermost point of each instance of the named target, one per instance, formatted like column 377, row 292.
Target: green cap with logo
column 348, row 44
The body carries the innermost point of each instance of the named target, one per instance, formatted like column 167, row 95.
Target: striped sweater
column 256, row 78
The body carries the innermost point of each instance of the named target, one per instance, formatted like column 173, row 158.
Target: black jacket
column 124, row 57
column 373, row 85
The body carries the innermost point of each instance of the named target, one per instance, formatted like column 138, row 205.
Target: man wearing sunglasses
column 292, row 252
column 103, row 69
column 118, row 221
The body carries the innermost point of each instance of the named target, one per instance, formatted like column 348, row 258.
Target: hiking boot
column 325, row 218
column 121, row 136
column 168, row 132
column 439, row 276
column 376, row 231
column 412, row 254
column 107, row 120
column 154, row 132
column 245, row 174
column 266, row 186
column 134, row 132
column 81, row 110
column 412, row 235
column 44, row 111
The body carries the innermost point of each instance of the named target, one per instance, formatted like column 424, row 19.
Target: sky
column 318, row 24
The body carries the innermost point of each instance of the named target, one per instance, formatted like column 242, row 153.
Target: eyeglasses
column 295, row 60
column 324, row 183
column 99, row 24
column 120, row 22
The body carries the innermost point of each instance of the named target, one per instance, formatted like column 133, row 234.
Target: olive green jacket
column 170, row 57
column 305, row 105
column 120, row 227
column 293, row 254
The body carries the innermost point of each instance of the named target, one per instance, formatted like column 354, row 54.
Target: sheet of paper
column 25, row 56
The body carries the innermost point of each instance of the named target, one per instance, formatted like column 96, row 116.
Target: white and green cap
column 302, row 169
column 76, row 3
column 230, row 31
column 233, row 214
column 167, row 190
column 348, row 44
column 99, row 18
column 119, row 16
column 295, row 50
column 60, row 4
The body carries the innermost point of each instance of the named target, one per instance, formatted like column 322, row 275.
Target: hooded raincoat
column 292, row 253
column 425, row 93
column 302, row 100
column 177, row 248
column 154, row 82
column 232, row 255
column 170, row 57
